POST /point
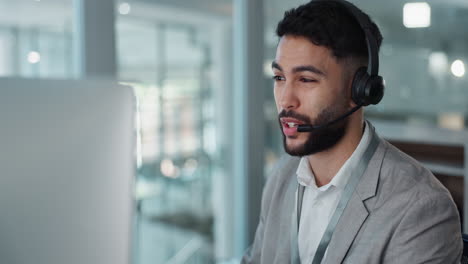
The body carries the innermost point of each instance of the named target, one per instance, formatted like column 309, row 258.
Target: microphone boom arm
column 310, row 128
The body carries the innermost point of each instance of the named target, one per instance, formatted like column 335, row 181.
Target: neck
column 326, row 164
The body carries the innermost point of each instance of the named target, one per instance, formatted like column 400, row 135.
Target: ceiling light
column 416, row 15
column 458, row 68
column 34, row 57
column 124, row 8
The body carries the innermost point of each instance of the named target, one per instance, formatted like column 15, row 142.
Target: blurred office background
column 207, row 124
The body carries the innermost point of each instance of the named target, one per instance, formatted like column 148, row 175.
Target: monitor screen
column 67, row 168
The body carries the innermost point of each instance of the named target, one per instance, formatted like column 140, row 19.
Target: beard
column 320, row 139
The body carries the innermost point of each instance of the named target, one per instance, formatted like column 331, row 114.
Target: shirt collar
column 306, row 177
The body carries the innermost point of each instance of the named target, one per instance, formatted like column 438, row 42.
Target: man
column 346, row 196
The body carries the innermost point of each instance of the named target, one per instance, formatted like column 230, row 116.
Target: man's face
column 310, row 88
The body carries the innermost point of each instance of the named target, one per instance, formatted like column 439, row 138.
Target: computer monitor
column 66, row 172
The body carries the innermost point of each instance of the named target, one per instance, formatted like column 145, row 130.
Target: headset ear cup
column 359, row 86
column 375, row 89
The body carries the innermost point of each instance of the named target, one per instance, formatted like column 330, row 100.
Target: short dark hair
column 329, row 24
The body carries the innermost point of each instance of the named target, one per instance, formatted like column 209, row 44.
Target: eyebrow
column 275, row 65
column 297, row 69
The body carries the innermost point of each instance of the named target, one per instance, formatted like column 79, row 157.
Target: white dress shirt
column 319, row 203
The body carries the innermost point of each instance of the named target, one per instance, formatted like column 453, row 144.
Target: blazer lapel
column 294, row 231
column 356, row 212
column 345, row 232
column 286, row 247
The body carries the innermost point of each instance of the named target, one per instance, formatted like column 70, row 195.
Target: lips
column 289, row 120
column 290, row 125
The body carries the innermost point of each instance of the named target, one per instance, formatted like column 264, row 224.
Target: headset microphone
column 310, row 128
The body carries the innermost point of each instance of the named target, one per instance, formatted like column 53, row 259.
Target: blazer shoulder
column 402, row 173
column 282, row 172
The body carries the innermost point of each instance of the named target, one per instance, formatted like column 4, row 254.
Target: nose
column 288, row 99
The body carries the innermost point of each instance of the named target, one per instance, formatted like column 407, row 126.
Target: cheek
column 315, row 99
column 275, row 94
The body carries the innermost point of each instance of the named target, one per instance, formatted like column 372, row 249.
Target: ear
column 348, row 72
column 349, row 90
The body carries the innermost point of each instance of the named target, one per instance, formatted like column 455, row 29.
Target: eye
column 278, row 78
column 307, row 80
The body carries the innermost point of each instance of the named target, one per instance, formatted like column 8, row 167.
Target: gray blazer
column 399, row 213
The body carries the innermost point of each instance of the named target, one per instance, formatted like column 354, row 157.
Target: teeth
column 291, row 124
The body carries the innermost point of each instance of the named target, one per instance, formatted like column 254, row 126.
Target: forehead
column 293, row 51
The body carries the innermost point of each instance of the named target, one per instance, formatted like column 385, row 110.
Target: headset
column 367, row 86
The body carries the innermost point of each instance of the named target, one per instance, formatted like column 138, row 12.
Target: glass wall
column 423, row 65
column 168, row 52
column 36, row 38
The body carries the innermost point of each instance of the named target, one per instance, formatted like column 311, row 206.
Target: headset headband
column 372, row 46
